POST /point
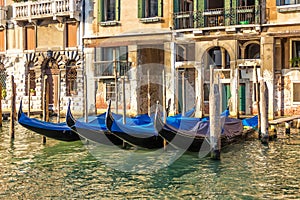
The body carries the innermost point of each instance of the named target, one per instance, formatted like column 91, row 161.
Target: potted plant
column 295, row 62
column 32, row 92
column 4, row 94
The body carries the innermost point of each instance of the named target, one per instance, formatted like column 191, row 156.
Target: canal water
column 61, row 170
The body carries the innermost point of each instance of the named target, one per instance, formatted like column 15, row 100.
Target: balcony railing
column 217, row 17
column 49, row 8
column 106, row 68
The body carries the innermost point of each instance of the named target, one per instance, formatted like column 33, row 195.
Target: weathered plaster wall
column 51, row 35
column 280, row 17
column 129, row 21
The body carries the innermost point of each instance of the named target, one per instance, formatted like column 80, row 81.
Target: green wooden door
column 242, row 98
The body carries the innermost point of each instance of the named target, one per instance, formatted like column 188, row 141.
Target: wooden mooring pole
column 214, row 118
column 164, row 104
column 28, row 92
column 124, row 106
column 45, row 105
column 183, row 92
column 13, row 108
column 264, row 113
column 0, row 105
column 257, row 100
column 148, row 93
column 58, row 97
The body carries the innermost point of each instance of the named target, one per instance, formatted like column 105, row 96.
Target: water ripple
column 61, row 170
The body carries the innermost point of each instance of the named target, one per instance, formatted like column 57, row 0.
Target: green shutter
column 100, row 10
column 199, row 7
column 141, row 6
column 118, row 10
column 176, row 6
column 160, row 8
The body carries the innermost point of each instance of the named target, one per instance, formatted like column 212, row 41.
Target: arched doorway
column 51, row 70
column 218, row 57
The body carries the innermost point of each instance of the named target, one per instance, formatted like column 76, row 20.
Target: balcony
column 221, row 17
column 34, row 10
column 106, row 69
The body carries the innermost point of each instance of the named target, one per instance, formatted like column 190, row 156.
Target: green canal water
column 61, row 170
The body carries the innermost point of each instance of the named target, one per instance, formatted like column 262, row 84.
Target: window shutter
column 277, row 2
column 2, row 40
column 100, row 10
column 160, row 8
column 118, row 10
column 199, row 5
column 176, row 6
column 141, row 6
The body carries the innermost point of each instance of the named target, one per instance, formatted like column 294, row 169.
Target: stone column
column 169, row 64
column 89, row 67
column 234, row 83
column 132, row 59
column 223, row 57
column 199, row 89
column 267, row 70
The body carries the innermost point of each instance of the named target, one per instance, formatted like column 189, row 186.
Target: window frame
column 292, row 93
column 282, row 2
column 114, row 60
column 142, row 5
column 69, row 81
column 103, row 9
column 291, row 56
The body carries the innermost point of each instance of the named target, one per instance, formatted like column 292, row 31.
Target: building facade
column 154, row 50
column 42, row 39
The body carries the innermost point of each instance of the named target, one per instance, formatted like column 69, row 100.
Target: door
column 226, row 94
column 242, row 98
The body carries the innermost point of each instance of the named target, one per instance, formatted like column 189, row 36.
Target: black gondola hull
column 67, row 135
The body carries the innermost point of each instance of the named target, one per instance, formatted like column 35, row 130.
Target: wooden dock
column 283, row 120
column 287, row 121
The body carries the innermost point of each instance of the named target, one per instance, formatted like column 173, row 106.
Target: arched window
column 31, row 74
column 71, row 79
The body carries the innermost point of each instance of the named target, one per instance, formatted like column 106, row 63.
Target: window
column 295, row 54
column 206, row 91
column 149, row 8
column 109, row 59
column 109, row 10
column 295, row 49
column 287, row 2
column 71, row 81
column 185, row 52
column 29, row 38
column 296, row 92
column 110, row 91
column 246, row 2
column 71, row 35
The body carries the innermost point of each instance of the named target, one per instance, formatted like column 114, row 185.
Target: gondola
column 142, row 135
column 58, row 131
column 94, row 131
column 193, row 139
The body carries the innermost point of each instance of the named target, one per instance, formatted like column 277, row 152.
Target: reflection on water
column 61, row 170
